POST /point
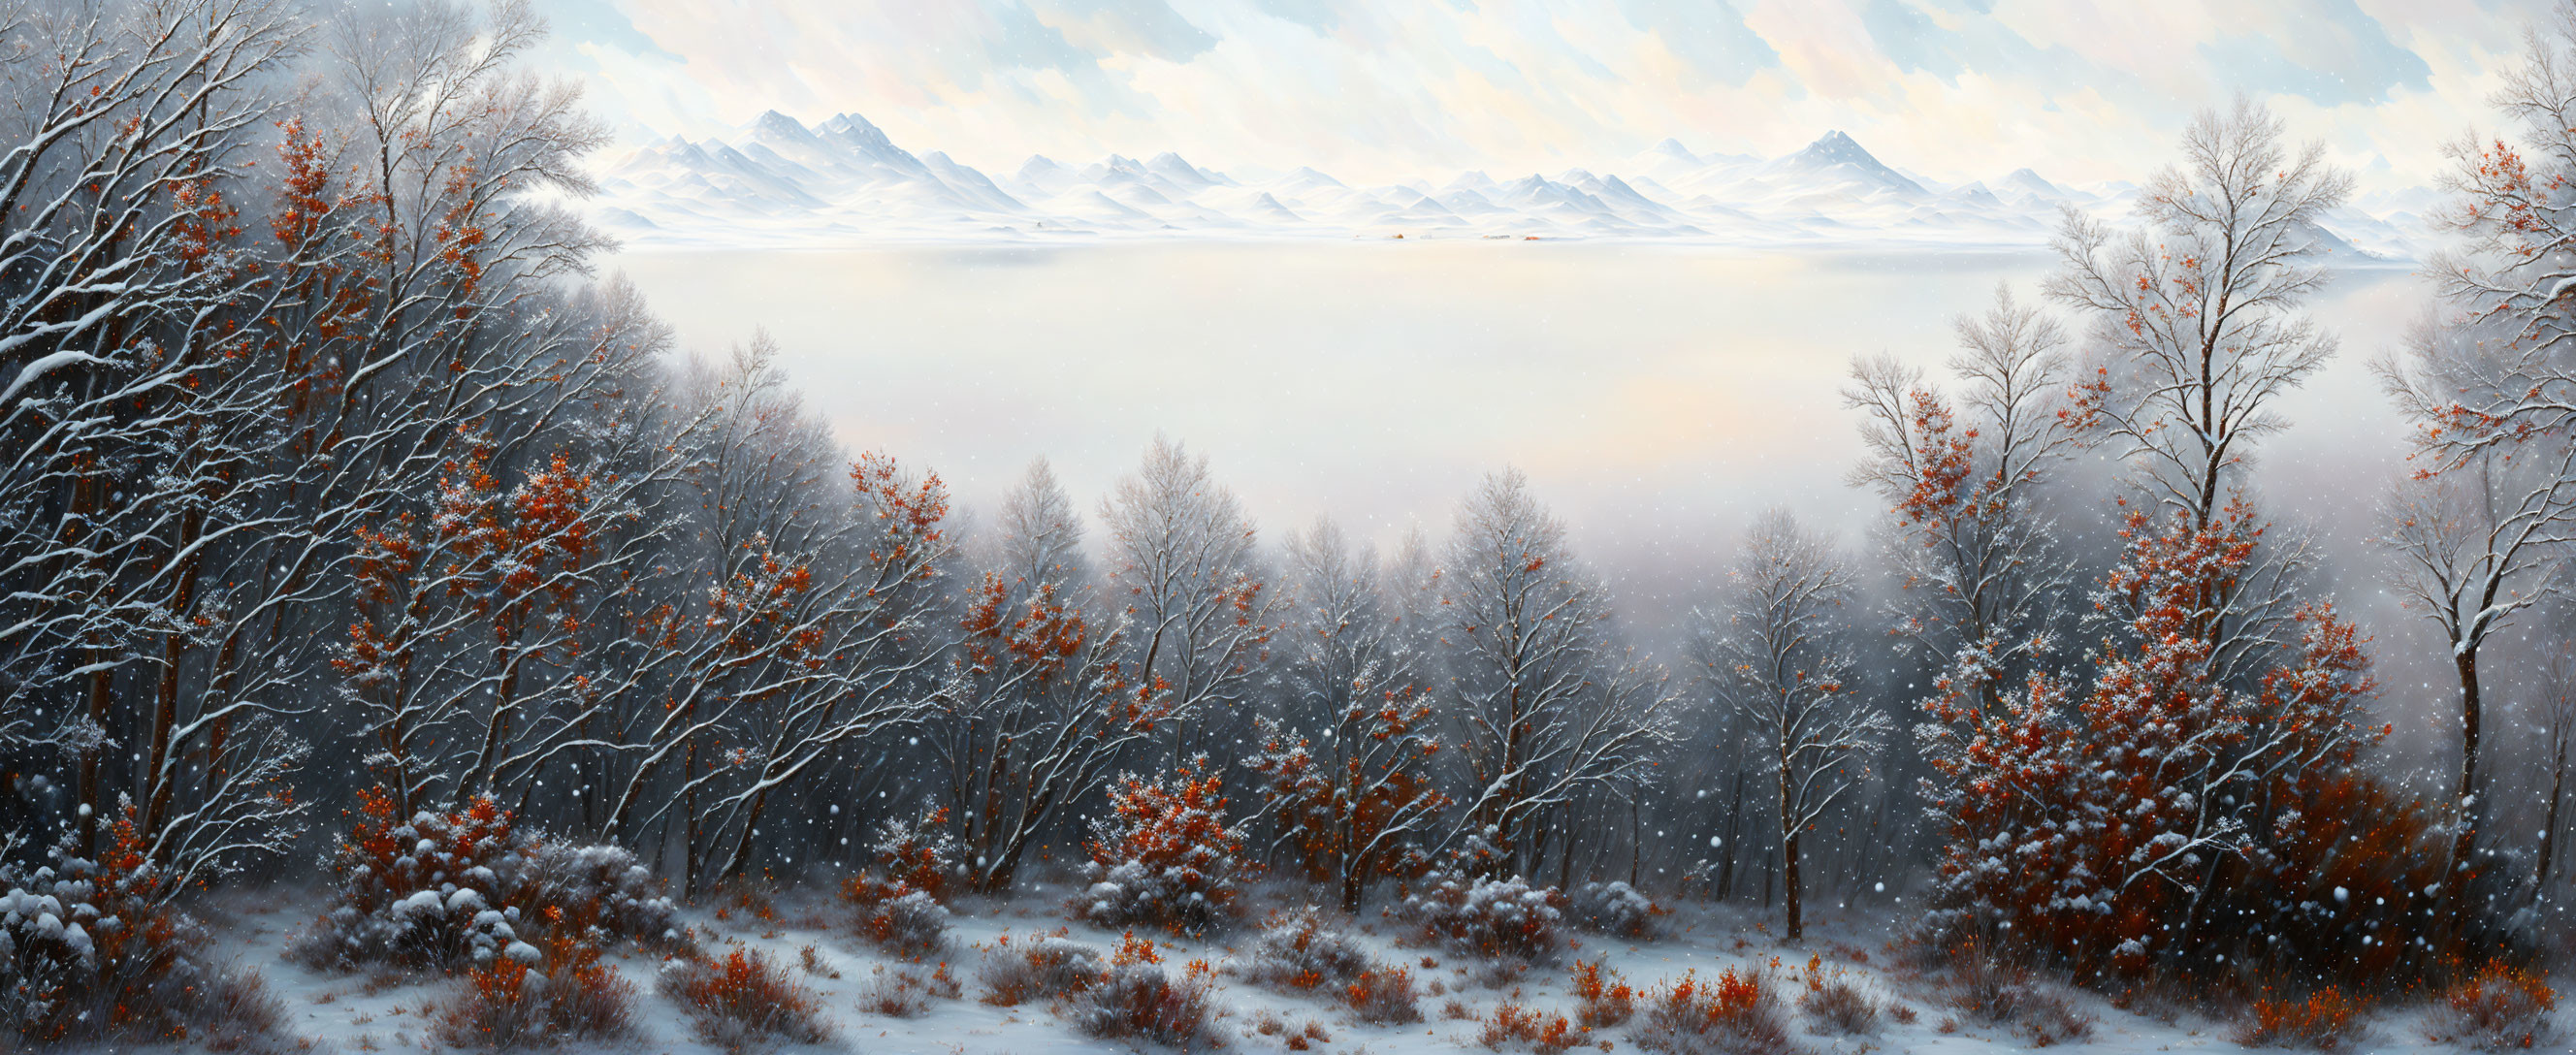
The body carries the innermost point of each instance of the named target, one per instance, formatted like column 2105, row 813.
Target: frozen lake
column 1658, row 396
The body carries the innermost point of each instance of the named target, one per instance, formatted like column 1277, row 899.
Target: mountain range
column 783, row 183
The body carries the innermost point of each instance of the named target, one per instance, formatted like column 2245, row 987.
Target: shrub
column 507, row 1003
column 1839, row 1007
column 1383, row 996
column 905, row 992
column 1164, row 856
column 1495, row 919
column 2326, row 1021
column 1139, row 998
column 742, row 1000
column 1734, row 1015
column 1603, row 999
column 1301, row 952
column 2000, row 994
column 918, row 852
column 444, row 890
column 1042, row 968
column 1612, row 908
column 1513, row 1024
column 91, row 951
column 2498, row 1008
column 910, row 924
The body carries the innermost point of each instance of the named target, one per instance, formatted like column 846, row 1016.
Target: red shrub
column 2499, row 1008
column 1736, row 1013
column 1513, row 1024
column 509, row 1004
column 1603, row 998
column 742, row 1000
column 90, row 951
column 1140, row 998
column 448, row 889
column 1383, row 996
column 2327, row 1020
column 1164, row 856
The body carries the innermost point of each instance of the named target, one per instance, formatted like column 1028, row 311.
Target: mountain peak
column 1842, row 155
column 771, row 122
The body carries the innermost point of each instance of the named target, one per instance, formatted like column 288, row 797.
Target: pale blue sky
column 1383, row 89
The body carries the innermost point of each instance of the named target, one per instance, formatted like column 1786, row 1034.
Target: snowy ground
column 358, row 1013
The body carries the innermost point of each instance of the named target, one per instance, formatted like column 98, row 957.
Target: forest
column 366, row 545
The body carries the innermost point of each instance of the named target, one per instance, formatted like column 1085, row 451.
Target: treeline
column 330, row 468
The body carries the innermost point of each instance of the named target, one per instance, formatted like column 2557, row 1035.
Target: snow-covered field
column 811, row 935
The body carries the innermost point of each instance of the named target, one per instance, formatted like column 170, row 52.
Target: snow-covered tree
column 1978, row 560
column 1184, row 569
column 1037, row 711
column 1775, row 650
column 2197, row 312
column 1347, row 783
column 1549, row 712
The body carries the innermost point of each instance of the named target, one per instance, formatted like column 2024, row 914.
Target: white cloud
column 1379, row 91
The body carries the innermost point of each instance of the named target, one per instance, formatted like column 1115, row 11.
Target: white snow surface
column 348, row 1013
column 781, row 184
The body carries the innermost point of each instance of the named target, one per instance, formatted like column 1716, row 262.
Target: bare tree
column 1979, row 561
column 1548, row 711
column 2478, row 544
column 1775, row 651
column 2198, row 314
column 1183, row 567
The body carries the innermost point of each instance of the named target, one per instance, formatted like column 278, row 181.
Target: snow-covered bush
column 898, row 903
column 742, row 1001
column 912, row 924
column 511, row 1003
column 1045, row 967
column 1612, row 908
column 1730, row 1015
column 1492, row 918
column 906, row 991
column 446, row 890
column 918, row 852
column 1140, row 998
column 91, row 951
column 1164, row 856
column 1301, row 951
column 2499, row 1008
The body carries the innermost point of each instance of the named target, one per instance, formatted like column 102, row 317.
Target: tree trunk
column 1788, row 840
column 2549, row 819
column 1789, row 885
column 2471, row 809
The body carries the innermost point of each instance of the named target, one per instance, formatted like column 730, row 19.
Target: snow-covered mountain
column 844, row 181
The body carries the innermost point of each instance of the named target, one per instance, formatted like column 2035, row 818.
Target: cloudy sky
column 1385, row 89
